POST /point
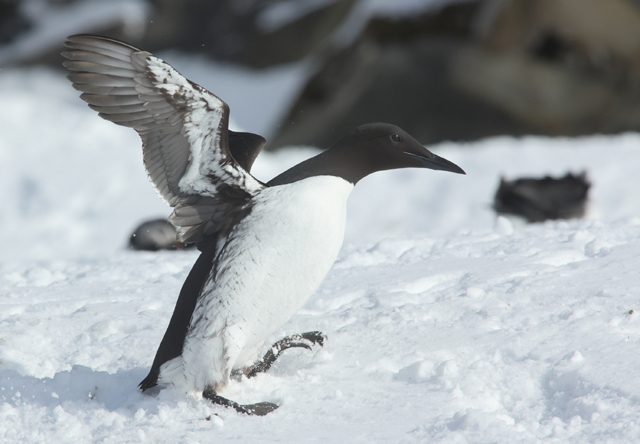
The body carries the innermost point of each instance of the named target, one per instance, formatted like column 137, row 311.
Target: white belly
column 271, row 264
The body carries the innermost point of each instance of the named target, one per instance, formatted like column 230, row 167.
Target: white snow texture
column 444, row 323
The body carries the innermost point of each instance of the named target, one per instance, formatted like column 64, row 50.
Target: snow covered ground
column 444, row 323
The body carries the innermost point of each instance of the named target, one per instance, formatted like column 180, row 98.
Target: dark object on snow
column 154, row 235
column 540, row 199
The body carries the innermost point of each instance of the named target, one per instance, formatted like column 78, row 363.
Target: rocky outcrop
column 565, row 67
column 472, row 70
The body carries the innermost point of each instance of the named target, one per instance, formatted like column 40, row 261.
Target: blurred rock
column 154, row 235
column 564, row 67
column 548, row 98
column 258, row 34
column 12, row 21
column 397, row 71
column 479, row 69
column 546, row 198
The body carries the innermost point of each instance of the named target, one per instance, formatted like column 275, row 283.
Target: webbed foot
column 304, row 340
column 258, row 409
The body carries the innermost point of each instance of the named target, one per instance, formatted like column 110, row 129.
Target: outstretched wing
column 184, row 130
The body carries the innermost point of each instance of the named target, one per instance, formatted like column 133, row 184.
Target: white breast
column 271, row 264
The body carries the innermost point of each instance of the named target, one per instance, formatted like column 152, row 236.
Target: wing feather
column 96, row 79
column 120, row 109
column 101, row 100
column 105, row 90
column 184, row 130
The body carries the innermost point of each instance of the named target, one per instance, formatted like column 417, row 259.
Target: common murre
column 265, row 248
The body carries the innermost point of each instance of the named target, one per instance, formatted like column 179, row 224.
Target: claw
column 315, row 337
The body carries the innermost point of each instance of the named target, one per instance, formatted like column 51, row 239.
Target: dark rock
column 544, row 198
column 12, row 22
column 474, row 70
column 407, row 84
column 398, row 71
column 564, row 67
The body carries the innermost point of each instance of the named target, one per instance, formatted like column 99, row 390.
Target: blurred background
column 441, row 69
column 504, row 88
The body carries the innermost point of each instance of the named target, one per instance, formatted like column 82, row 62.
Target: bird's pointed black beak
column 434, row 162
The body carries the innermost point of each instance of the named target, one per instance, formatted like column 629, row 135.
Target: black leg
column 304, row 340
column 259, row 409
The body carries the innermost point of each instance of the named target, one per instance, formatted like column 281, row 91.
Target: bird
column 154, row 235
column 537, row 199
column 264, row 247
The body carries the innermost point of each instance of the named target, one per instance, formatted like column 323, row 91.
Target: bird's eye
column 395, row 138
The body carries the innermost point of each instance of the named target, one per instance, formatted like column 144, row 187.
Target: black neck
column 332, row 162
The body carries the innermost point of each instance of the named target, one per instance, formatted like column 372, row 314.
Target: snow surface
column 444, row 323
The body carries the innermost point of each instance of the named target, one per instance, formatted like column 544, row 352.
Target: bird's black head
column 365, row 150
column 382, row 146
